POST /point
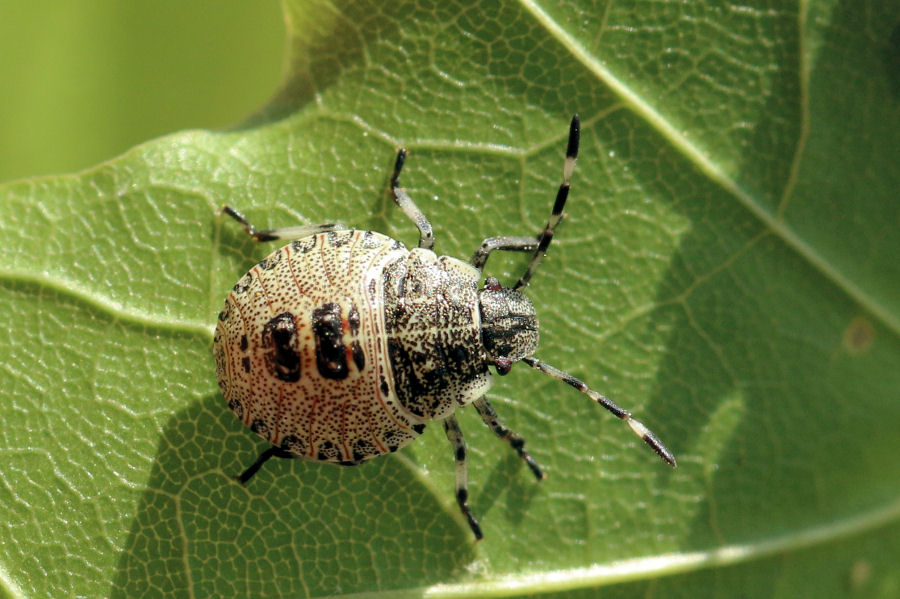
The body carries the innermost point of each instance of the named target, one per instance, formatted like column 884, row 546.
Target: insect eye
column 492, row 284
column 503, row 365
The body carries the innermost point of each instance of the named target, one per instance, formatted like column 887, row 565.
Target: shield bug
column 342, row 345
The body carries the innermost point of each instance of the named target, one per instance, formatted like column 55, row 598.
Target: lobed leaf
column 727, row 271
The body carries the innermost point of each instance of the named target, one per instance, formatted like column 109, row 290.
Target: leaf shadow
column 511, row 477
column 754, row 388
column 296, row 529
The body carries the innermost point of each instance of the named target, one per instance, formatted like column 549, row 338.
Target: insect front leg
column 507, row 243
column 409, row 208
column 556, row 215
column 538, row 245
column 514, row 439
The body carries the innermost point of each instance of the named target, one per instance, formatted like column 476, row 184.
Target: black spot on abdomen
column 304, row 245
column 260, row 428
column 331, row 353
column 353, row 319
column 293, row 443
column 359, row 356
column 237, row 406
column 327, row 452
column 270, row 262
column 363, row 449
column 280, row 344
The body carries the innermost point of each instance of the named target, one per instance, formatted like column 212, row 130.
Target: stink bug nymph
column 343, row 344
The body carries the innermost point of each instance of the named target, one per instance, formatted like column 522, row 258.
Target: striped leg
column 557, row 213
column 639, row 429
column 262, row 459
column 455, row 436
column 285, row 233
column 507, row 244
column 409, row 208
column 515, row 440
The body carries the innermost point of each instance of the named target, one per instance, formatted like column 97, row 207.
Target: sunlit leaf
column 728, row 271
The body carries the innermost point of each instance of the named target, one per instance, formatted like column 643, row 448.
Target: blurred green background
column 84, row 81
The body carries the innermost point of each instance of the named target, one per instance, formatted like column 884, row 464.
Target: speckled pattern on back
column 301, row 351
column 342, row 345
column 434, row 333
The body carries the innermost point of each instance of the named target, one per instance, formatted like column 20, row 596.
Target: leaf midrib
column 648, row 568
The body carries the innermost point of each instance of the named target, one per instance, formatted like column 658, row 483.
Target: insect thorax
column 433, row 327
column 509, row 326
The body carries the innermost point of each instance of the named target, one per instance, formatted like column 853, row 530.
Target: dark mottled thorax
column 433, row 330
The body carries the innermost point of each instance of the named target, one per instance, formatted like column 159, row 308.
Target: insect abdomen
column 301, row 350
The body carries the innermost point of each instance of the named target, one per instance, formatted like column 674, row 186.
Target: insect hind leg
column 455, row 436
column 514, row 439
column 276, row 452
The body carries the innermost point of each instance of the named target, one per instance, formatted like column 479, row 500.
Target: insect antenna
column 639, row 429
column 558, row 205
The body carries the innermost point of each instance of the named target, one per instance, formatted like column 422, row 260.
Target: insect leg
column 262, row 459
column 558, row 206
column 639, row 429
column 514, row 439
column 506, row 243
column 286, row 233
column 455, row 436
column 409, row 208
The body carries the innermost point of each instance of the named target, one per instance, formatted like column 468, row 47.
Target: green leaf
column 727, row 271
